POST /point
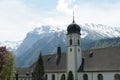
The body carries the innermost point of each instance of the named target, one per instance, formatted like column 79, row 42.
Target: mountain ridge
column 46, row 39
column 87, row 31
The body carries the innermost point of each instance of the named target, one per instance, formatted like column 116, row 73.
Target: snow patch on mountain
column 11, row 45
column 83, row 34
column 88, row 32
column 47, row 29
column 103, row 30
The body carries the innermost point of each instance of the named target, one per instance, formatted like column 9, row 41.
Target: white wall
column 93, row 75
column 73, row 54
column 24, row 78
column 57, row 76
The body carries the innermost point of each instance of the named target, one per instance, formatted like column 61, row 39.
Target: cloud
column 16, row 19
column 64, row 6
column 49, row 21
column 107, row 14
column 99, row 13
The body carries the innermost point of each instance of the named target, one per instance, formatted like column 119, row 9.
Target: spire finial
column 73, row 17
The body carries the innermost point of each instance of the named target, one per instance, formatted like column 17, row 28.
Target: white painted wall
column 93, row 75
column 57, row 76
column 24, row 78
column 73, row 57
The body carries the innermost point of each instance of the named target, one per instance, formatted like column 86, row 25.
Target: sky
column 17, row 17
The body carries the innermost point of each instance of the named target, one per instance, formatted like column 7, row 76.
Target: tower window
column 78, row 42
column 70, row 49
column 70, row 41
column 78, row 50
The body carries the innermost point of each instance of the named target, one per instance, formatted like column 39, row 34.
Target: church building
column 95, row 64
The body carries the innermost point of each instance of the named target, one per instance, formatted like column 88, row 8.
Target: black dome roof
column 73, row 28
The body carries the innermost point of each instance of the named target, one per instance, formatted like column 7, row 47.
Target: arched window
column 70, row 41
column 46, row 77
column 85, row 77
column 63, row 77
column 70, row 49
column 100, row 77
column 117, row 77
column 53, row 77
column 78, row 42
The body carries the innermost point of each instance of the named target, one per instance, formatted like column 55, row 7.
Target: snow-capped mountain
column 89, row 32
column 102, row 30
column 97, row 29
column 38, row 33
column 47, row 38
column 47, row 29
column 11, row 45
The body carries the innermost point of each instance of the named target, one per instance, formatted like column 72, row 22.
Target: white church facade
column 95, row 64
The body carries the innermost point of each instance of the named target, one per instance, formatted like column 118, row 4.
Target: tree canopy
column 70, row 76
column 38, row 73
column 8, row 68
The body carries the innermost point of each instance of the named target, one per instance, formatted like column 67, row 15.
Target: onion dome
column 73, row 28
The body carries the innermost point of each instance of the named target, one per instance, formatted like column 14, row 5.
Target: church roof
column 73, row 27
column 24, row 72
column 104, row 59
column 95, row 60
column 50, row 63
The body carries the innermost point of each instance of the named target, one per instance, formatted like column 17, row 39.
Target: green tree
column 70, row 76
column 8, row 69
column 38, row 73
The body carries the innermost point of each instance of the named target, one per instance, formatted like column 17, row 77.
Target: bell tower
column 74, row 56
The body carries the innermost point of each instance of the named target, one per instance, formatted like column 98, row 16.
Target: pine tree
column 70, row 76
column 38, row 73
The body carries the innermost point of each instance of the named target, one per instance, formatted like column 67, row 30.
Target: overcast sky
column 17, row 17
